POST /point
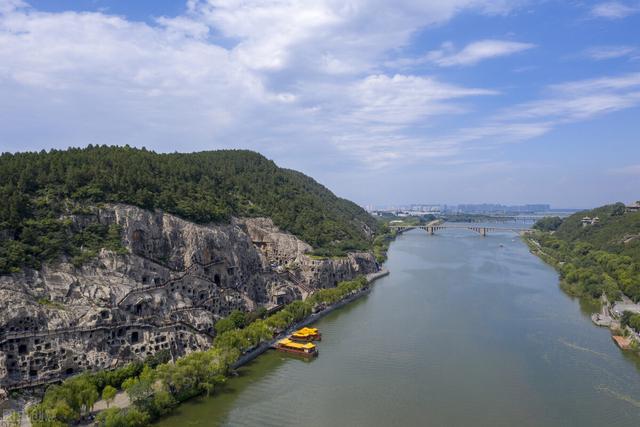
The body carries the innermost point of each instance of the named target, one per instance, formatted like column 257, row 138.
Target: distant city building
column 502, row 209
column 426, row 208
column 420, row 209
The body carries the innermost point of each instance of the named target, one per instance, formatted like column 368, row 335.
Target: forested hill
column 599, row 257
column 617, row 232
column 205, row 187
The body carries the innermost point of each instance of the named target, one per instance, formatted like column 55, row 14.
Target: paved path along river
column 466, row 331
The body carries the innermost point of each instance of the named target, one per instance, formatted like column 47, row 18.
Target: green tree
column 41, row 188
column 549, row 223
column 224, row 325
column 130, row 417
column 15, row 419
column 140, row 389
column 109, row 394
column 86, row 393
column 634, row 322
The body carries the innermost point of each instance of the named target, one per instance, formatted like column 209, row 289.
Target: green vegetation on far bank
column 386, row 235
column 40, row 191
column 469, row 217
column 157, row 386
column 548, row 223
column 603, row 257
column 382, row 241
column 631, row 319
column 616, row 232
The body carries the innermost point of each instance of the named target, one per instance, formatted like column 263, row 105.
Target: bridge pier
column 430, row 231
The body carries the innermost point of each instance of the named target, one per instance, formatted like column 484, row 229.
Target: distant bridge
column 496, row 218
column 481, row 230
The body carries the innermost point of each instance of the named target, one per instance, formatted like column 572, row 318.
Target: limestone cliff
column 177, row 279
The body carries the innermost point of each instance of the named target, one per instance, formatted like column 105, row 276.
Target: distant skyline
column 384, row 102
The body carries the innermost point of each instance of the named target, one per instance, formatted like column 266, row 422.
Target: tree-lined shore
column 597, row 254
column 155, row 387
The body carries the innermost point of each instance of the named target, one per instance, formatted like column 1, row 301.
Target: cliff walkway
column 188, row 272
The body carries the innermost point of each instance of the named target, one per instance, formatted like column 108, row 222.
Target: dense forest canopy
column 38, row 189
column 616, row 231
column 549, row 223
column 599, row 257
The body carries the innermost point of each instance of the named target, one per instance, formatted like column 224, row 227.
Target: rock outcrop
column 177, row 279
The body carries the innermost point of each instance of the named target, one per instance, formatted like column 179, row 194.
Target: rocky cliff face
column 165, row 294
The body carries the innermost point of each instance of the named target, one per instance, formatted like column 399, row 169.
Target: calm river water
column 466, row 331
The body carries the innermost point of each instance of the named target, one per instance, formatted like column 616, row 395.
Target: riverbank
column 607, row 316
column 246, row 358
column 157, row 391
column 514, row 350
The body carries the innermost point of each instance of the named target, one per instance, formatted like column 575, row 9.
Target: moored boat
column 306, row 349
column 306, row 334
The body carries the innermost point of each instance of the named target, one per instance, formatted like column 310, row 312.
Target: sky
column 384, row 102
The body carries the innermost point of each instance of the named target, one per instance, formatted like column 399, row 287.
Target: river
column 466, row 331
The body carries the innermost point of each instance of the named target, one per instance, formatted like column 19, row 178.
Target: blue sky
column 385, row 102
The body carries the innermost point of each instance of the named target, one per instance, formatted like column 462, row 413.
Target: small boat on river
column 306, row 335
column 306, row 349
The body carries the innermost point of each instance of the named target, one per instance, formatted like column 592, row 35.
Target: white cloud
column 228, row 72
column 613, row 10
column 591, row 86
column 376, row 124
column 373, row 119
column 90, row 77
column 574, row 108
column 7, row 6
column 268, row 31
column 268, row 75
column 330, row 35
column 599, row 53
column 475, row 52
column 633, row 170
column 184, row 27
column 564, row 103
column 403, row 99
column 578, row 100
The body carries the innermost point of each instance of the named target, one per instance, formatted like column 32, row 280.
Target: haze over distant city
column 396, row 102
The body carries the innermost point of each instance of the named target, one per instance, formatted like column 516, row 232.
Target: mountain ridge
column 206, row 187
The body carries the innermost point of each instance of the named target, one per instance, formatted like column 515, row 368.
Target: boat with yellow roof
column 307, row 334
column 306, row 349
